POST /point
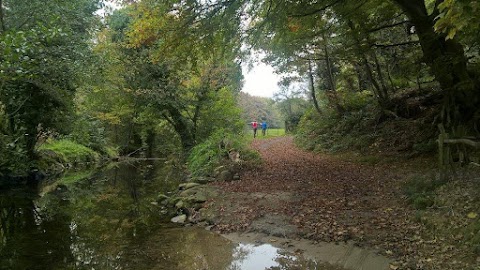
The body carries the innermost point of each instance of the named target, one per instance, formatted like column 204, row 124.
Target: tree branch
column 387, row 26
column 396, row 44
column 472, row 143
column 316, row 10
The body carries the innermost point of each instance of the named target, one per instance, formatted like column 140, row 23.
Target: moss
column 56, row 154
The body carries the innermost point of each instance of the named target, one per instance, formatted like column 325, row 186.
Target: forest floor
column 303, row 195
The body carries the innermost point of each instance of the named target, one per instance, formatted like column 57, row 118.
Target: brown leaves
column 327, row 199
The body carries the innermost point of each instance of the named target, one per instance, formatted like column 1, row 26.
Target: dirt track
column 299, row 194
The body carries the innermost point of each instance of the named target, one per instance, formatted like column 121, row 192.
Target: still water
column 108, row 219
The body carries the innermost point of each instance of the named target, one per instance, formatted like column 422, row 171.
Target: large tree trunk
column 183, row 127
column 448, row 63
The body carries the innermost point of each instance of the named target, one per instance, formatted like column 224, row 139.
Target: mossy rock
column 225, row 175
column 188, row 185
column 201, row 180
column 180, row 204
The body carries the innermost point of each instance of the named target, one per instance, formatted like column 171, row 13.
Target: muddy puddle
column 304, row 254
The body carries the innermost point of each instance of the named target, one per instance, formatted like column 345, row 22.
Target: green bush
column 333, row 133
column 91, row 133
column 14, row 159
column 213, row 152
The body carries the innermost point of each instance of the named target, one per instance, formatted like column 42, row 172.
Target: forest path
column 296, row 193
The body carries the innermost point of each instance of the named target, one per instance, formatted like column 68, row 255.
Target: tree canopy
column 154, row 68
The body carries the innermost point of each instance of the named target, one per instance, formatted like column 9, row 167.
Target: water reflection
column 106, row 220
column 82, row 221
column 265, row 256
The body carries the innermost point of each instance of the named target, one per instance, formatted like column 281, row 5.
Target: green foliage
column 357, row 100
column 70, row 152
column 43, row 46
column 91, row 133
column 458, row 16
column 72, row 177
column 333, row 133
column 260, row 108
column 213, row 152
column 221, row 112
column 147, row 79
column 420, row 191
column 13, row 156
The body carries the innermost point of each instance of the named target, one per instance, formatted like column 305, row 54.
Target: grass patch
column 420, row 191
column 66, row 151
column 270, row 133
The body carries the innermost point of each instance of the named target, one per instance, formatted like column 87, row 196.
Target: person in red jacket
column 254, row 126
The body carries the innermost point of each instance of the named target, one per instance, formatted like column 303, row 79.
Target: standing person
column 254, row 126
column 264, row 127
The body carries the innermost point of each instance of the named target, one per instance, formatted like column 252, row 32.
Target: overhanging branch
column 315, row 11
column 387, row 26
column 414, row 42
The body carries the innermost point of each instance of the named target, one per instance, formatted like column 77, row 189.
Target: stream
column 108, row 219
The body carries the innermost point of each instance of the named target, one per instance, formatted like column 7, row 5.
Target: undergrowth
column 366, row 129
column 214, row 152
column 420, row 190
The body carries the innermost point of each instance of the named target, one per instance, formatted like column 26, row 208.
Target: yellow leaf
column 451, row 34
column 472, row 215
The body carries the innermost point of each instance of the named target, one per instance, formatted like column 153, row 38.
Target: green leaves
column 43, row 46
column 457, row 16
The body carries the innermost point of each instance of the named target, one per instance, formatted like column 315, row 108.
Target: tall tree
column 177, row 66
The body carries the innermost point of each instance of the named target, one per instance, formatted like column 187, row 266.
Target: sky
column 260, row 81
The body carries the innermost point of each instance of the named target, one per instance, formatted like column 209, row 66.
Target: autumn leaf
column 472, row 215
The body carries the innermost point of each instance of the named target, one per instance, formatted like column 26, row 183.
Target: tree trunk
column 333, row 89
column 446, row 59
column 312, row 88
column 382, row 100
column 183, row 127
column 2, row 21
column 378, row 67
